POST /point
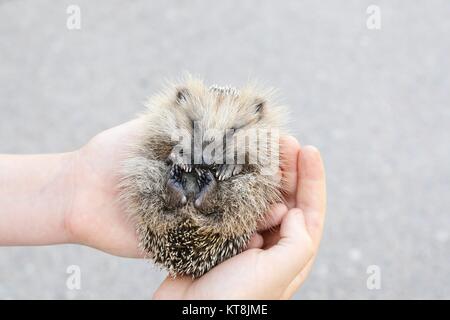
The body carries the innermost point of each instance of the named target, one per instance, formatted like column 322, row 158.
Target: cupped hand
column 278, row 259
column 281, row 254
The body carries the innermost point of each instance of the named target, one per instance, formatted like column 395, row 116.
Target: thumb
column 295, row 247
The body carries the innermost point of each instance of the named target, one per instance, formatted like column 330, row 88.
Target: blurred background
column 372, row 95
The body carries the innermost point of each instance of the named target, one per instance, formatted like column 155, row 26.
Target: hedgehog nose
column 207, row 157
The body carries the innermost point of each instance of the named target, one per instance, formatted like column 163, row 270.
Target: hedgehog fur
column 192, row 215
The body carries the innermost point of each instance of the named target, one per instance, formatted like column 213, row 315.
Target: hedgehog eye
column 182, row 95
column 259, row 106
column 231, row 131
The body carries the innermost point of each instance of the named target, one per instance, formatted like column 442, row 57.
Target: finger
column 256, row 241
column 312, row 199
column 289, row 150
column 311, row 195
column 274, row 217
column 294, row 249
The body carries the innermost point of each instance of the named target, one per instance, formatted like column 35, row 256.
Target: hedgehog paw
column 207, row 184
column 175, row 186
column 226, row 171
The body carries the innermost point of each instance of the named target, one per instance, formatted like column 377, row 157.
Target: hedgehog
column 203, row 173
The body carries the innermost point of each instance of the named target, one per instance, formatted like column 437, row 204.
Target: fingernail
column 311, row 148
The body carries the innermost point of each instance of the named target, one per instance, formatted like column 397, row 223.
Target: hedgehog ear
column 182, row 95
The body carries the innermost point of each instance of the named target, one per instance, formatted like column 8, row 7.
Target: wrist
column 71, row 189
column 36, row 197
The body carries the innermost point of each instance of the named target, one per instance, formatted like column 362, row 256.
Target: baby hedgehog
column 202, row 174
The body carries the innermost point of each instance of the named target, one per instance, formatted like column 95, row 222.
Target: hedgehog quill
column 203, row 173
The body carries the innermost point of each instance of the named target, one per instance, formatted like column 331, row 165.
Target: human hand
column 281, row 254
column 96, row 218
column 72, row 198
column 277, row 260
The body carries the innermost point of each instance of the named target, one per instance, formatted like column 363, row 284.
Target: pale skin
column 72, row 198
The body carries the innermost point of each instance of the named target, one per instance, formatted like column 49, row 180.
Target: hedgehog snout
column 186, row 183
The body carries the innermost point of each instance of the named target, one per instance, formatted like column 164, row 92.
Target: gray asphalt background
column 376, row 102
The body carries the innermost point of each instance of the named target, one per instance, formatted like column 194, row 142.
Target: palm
column 258, row 272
